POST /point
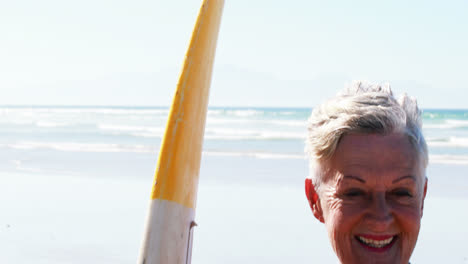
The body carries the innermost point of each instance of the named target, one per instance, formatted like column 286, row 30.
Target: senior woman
column 367, row 183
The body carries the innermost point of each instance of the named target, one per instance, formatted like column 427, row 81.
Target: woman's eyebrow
column 405, row 177
column 354, row 178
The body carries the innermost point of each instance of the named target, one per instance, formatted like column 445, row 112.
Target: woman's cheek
column 340, row 232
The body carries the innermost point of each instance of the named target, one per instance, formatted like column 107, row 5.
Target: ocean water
column 75, row 184
column 258, row 132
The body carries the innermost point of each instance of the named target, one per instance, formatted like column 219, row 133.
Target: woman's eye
column 402, row 193
column 354, row 193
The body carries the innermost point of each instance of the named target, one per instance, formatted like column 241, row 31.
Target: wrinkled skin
column 374, row 188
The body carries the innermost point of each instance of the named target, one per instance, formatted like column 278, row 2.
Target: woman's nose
column 379, row 216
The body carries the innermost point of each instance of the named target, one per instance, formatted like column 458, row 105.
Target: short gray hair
column 362, row 107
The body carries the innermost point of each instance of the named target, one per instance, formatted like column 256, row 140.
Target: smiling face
column 371, row 200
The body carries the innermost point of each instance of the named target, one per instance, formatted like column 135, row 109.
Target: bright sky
column 270, row 53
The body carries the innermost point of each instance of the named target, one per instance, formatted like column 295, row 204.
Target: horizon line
column 167, row 106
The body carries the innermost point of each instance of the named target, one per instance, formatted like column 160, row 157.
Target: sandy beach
column 249, row 210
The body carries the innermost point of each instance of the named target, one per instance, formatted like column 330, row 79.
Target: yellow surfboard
column 168, row 234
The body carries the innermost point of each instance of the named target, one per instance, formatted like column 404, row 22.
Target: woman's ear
column 313, row 199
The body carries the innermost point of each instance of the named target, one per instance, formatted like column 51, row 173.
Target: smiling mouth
column 380, row 244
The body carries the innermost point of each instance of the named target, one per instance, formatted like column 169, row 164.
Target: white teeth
column 375, row 243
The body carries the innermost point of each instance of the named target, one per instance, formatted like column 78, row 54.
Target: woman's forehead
column 358, row 147
column 374, row 154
